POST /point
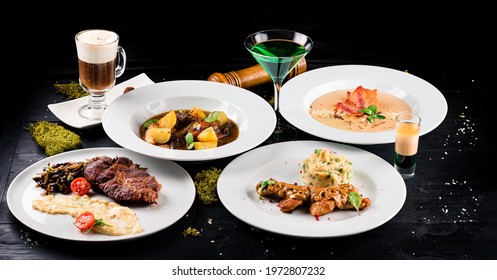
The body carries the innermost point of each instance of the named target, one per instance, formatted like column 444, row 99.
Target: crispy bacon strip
column 356, row 100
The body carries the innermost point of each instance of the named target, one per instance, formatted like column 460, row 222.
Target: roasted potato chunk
column 168, row 120
column 157, row 135
column 207, row 135
column 222, row 118
column 204, row 145
column 197, row 112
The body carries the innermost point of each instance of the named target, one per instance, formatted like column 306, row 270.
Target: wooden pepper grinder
column 253, row 76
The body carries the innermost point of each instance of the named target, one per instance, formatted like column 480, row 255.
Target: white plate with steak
column 160, row 192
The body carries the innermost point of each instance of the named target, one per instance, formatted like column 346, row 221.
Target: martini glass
column 278, row 51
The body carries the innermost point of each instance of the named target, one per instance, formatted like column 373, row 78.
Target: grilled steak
column 122, row 180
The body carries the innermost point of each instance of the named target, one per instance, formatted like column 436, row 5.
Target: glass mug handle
column 121, row 61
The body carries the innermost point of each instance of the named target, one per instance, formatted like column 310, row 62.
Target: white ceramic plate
column 254, row 116
column 175, row 197
column 373, row 176
column 68, row 111
column 298, row 93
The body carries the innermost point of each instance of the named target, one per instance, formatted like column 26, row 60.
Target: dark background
column 189, row 33
column 448, row 47
column 185, row 34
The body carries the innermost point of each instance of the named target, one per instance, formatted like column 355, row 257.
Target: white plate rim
column 260, row 117
column 175, row 198
column 429, row 102
column 236, row 191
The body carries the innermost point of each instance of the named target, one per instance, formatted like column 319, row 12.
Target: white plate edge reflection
column 236, row 189
column 175, row 198
column 296, row 93
column 258, row 115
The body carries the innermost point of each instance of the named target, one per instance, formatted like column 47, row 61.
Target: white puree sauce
column 122, row 219
column 97, row 46
column 388, row 106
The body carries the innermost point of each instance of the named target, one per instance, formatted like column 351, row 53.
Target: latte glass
column 100, row 61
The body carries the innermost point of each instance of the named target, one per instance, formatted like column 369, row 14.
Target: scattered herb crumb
column 71, row 90
column 206, row 184
column 53, row 137
column 191, row 232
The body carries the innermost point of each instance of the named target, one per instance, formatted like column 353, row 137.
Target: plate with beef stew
column 189, row 120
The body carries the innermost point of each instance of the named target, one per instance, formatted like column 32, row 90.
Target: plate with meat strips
column 157, row 193
column 312, row 189
column 357, row 104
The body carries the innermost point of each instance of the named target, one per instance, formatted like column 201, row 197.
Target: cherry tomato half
column 85, row 221
column 80, row 185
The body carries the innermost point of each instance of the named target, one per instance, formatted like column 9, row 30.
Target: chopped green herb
column 371, row 113
column 98, row 222
column 189, row 140
column 317, row 151
column 304, row 167
column 355, row 199
column 149, row 122
column 212, row 117
column 264, row 185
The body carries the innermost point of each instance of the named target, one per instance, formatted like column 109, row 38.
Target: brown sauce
column 388, row 106
column 228, row 138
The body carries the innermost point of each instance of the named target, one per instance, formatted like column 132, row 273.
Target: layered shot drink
column 406, row 144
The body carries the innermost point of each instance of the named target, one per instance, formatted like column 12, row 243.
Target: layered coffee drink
column 97, row 52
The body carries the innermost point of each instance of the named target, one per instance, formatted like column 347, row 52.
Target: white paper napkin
column 68, row 111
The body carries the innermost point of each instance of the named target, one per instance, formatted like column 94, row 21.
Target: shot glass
column 406, row 144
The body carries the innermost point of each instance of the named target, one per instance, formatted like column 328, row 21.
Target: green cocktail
column 278, row 57
column 278, row 51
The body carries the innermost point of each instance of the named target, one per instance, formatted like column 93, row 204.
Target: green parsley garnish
column 264, row 185
column 212, row 117
column 149, row 122
column 98, row 222
column 189, row 140
column 371, row 113
column 355, row 199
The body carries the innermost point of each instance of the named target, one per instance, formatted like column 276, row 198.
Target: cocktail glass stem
column 277, row 88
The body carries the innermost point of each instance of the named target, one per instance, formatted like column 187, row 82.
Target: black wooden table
column 448, row 212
